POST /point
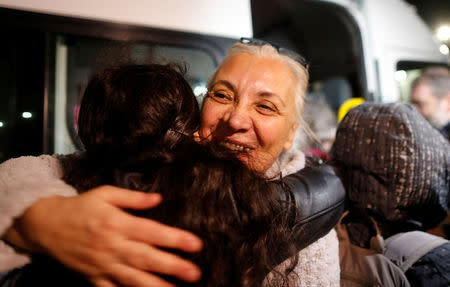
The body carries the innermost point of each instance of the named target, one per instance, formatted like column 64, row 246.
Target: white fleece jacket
column 25, row 180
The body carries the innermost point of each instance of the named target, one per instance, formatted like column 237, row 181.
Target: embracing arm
column 23, row 181
column 90, row 233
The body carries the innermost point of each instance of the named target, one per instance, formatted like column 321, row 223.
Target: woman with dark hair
column 137, row 123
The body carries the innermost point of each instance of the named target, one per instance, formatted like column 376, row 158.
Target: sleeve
column 318, row 265
column 23, row 181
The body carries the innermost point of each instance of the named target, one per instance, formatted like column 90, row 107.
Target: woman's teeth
column 235, row 147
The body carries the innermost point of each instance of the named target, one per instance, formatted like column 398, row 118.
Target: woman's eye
column 221, row 97
column 266, row 108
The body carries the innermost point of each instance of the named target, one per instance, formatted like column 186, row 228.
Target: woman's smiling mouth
column 234, row 146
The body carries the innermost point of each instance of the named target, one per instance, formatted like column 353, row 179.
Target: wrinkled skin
column 250, row 109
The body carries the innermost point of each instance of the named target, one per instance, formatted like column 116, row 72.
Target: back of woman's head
column 245, row 226
column 126, row 111
column 238, row 214
column 126, row 107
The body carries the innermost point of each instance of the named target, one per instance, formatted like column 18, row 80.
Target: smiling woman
column 253, row 104
column 253, row 107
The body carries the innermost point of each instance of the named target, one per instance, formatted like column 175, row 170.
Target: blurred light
column 26, row 115
column 443, row 33
column 1, row 124
column 400, row 75
column 444, row 49
column 200, row 90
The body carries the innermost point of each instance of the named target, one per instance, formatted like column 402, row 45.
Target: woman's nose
column 239, row 119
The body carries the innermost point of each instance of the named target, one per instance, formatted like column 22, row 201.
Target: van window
column 78, row 58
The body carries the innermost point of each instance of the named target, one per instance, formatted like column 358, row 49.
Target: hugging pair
column 252, row 110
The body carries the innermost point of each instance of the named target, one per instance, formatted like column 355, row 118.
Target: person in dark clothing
column 396, row 170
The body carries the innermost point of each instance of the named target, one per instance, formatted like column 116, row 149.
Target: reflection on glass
column 26, row 115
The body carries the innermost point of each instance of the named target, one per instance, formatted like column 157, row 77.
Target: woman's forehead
column 244, row 70
column 253, row 63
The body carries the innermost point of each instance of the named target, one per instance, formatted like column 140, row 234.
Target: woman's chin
column 254, row 163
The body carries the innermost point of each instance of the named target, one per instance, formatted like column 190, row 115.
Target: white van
column 51, row 47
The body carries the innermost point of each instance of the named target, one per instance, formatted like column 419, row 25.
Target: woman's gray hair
column 300, row 72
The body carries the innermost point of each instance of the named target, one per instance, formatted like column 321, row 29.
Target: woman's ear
column 290, row 140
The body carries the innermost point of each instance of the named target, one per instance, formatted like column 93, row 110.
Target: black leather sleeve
column 319, row 197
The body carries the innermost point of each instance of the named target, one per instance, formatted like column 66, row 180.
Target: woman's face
column 250, row 109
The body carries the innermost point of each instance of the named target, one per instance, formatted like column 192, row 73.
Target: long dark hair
column 136, row 123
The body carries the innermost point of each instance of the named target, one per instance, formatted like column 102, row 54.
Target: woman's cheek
column 268, row 131
column 210, row 118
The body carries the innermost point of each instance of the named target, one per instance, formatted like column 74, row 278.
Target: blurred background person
column 430, row 94
column 319, row 128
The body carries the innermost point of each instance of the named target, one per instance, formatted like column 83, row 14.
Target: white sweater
column 25, row 180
